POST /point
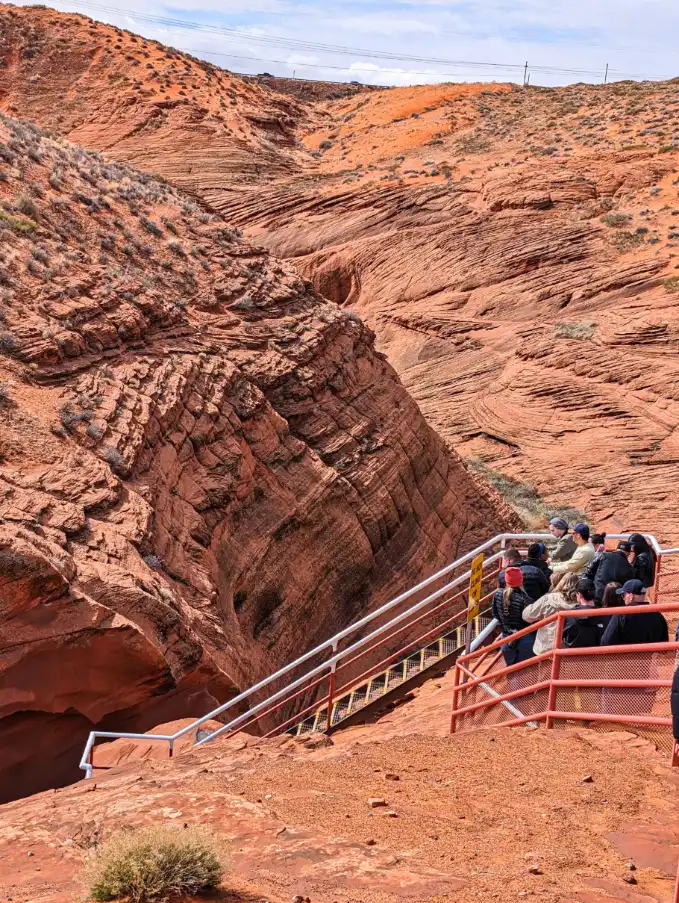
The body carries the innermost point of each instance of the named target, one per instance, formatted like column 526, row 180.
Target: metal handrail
column 332, row 645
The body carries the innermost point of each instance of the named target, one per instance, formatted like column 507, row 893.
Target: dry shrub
column 155, row 864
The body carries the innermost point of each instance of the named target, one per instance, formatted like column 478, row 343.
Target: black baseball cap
column 636, row 587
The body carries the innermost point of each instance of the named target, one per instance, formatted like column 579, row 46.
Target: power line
column 377, row 71
column 313, row 46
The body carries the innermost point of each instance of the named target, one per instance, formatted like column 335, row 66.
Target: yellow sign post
column 473, row 606
column 475, row 584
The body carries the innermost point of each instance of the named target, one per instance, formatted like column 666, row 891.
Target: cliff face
column 514, row 251
column 198, row 455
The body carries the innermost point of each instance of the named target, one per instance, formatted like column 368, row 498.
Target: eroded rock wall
column 206, row 467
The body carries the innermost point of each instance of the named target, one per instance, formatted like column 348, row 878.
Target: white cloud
column 634, row 36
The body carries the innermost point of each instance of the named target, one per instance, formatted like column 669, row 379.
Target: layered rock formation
column 527, row 299
column 198, row 453
column 513, row 249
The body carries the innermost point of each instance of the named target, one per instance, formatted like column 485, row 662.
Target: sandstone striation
column 198, row 453
column 514, row 250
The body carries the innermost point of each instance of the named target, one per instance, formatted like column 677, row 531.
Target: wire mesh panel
column 504, row 695
column 633, row 688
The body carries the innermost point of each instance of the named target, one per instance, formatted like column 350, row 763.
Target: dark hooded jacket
column 535, row 580
column 608, row 567
column 644, row 627
column 581, row 632
column 645, row 560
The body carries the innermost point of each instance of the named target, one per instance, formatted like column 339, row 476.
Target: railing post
column 331, row 688
column 170, row 743
column 90, row 761
column 656, row 582
column 556, row 662
column 456, row 683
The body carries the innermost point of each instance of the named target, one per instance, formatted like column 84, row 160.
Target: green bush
column 20, row 224
column 154, row 864
column 672, row 284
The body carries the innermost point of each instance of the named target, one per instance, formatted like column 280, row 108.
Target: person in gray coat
column 565, row 544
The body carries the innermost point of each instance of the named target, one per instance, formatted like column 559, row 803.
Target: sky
column 402, row 42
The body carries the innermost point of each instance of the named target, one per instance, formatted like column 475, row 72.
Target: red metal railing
column 599, row 684
column 337, row 689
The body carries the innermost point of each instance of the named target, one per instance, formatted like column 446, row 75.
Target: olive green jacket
column 563, row 550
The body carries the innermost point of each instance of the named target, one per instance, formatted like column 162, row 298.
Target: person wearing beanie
column 583, row 556
column 508, row 606
column 565, row 546
column 537, row 555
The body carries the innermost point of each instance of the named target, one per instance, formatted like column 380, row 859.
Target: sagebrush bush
column 583, row 331
column 154, row 864
column 616, row 219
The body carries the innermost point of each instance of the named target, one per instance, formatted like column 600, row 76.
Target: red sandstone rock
column 297, row 824
column 198, row 452
column 469, row 235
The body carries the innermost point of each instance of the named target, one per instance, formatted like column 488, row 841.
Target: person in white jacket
column 583, row 555
column 558, row 600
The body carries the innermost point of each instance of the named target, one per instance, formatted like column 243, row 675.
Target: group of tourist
column 576, row 571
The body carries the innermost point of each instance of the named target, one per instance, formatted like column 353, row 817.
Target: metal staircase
column 389, row 648
column 400, row 675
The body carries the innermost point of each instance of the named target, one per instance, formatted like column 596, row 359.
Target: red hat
column 513, row 577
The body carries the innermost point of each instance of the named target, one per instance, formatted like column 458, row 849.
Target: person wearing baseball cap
column 584, row 553
column 565, row 546
column 609, row 567
column 645, row 627
column 626, row 630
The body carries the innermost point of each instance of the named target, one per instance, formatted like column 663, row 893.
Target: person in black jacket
column 675, row 706
column 645, row 627
column 628, row 630
column 535, row 572
column 581, row 632
column 609, row 567
column 537, row 555
column 643, row 560
column 508, row 605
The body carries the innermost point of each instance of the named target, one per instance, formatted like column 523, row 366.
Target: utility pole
column 525, row 73
column 294, row 73
column 606, row 74
column 528, row 82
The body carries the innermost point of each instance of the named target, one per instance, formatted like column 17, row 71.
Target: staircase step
column 364, row 694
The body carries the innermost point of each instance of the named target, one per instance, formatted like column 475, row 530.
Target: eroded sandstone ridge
column 514, row 250
column 199, row 454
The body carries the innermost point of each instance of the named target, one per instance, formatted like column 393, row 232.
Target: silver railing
column 331, row 645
